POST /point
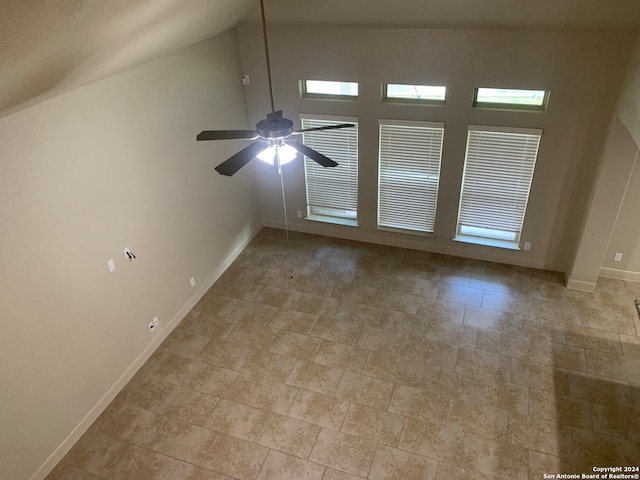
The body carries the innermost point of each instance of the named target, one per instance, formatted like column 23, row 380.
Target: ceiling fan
column 272, row 136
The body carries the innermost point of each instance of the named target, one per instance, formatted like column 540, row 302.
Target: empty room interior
column 457, row 298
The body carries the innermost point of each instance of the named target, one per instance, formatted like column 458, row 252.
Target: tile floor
column 380, row 363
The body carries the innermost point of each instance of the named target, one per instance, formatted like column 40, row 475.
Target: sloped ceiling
column 49, row 47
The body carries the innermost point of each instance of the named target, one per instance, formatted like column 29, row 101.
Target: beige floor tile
column 215, row 305
column 253, row 312
column 543, row 463
column 555, row 310
column 324, row 410
column 536, row 375
column 354, row 293
column 460, row 294
column 367, row 422
column 185, row 344
column 253, row 335
column 404, row 323
column 562, row 409
column 600, row 390
column 187, row 471
column 337, row 329
column 478, row 419
column 280, row 466
column 588, row 446
column 491, row 457
column 616, row 421
column 503, row 343
column 429, row 405
column 288, row 435
column 438, row 311
column 483, row 363
column 613, row 366
column 237, row 420
column 143, row 464
column 266, row 364
column 296, row 345
column 502, row 301
column 277, row 297
column 593, row 339
column 234, row 457
column 316, row 377
column 397, row 300
column 145, row 392
column 540, row 435
column 417, row 286
column 360, row 313
column 374, row 338
column 630, row 346
column 212, row 326
column 342, row 356
column 261, row 393
column 69, row 472
column 610, row 319
column 348, row 453
column 189, row 406
column 392, row 464
column 488, row 319
column 560, row 356
column 316, row 304
column 293, row 321
column 432, row 440
column 96, row 452
column 365, row 390
column 225, row 354
column 183, row 441
column 131, row 424
column 450, row 471
column 453, row 333
column 331, row 474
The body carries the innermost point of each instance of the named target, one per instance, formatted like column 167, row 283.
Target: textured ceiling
column 49, row 47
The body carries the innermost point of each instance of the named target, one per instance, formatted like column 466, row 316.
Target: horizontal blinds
column 409, row 172
column 497, row 178
column 333, row 187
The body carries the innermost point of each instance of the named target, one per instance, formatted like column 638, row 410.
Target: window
column 332, row 193
column 329, row 90
column 408, row 174
column 498, row 170
column 505, row 98
column 416, row 94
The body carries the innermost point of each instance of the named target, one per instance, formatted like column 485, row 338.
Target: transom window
column 326, row 89
column 498, row 171
column 421, row 94
column 507, row 98
column 332, row 193
column 409, row 174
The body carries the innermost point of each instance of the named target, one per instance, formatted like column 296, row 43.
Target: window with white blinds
column 332, row 193
column 498, row 170
column 409, row 174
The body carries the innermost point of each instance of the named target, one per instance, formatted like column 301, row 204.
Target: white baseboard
column 162, row 334
column 415, row 242
column 580, row 285
column 620, row 274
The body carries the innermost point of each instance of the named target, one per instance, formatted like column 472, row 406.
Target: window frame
column 480, row 153
column 349, row 208
column 305, row 94
column 411, row 158
column 523, row 107
column 412, row 101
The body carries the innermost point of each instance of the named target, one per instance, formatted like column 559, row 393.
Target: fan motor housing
column 274, row 128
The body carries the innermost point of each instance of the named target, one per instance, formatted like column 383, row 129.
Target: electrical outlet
column 527, row 245
column 299, row 213
column 193, row 281
column 617, row 257
column 156, row 322
column 111, row 265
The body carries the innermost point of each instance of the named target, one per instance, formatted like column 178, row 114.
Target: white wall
column 82, row 176
column 582, row 70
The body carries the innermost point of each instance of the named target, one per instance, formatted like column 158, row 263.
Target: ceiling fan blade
column 312, row 154
column 328, row 127
column 227, row 135
column 240, row 159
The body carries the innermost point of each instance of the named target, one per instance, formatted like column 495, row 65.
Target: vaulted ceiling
column 47, row 48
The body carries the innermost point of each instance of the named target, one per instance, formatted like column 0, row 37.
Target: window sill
column 406, row 231
column 488, row 242
column 335, row 220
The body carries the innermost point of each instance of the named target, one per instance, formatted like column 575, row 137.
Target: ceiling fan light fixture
column 285, row 154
